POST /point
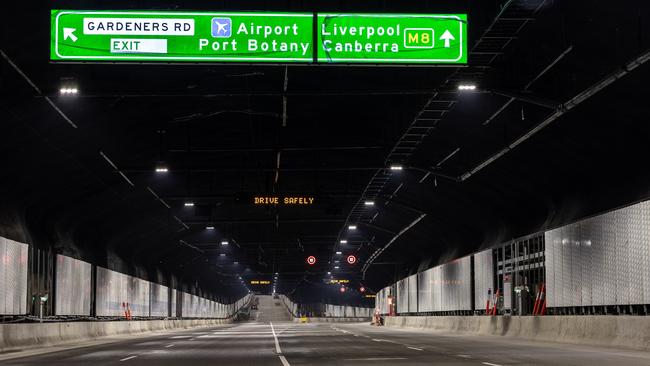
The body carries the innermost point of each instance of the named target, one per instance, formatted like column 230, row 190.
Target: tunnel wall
column 602, row 260
column 322, row 312
column 117, row 295
column 13, row 277
column 599, row 265
column 73, row 284
column 613, row 331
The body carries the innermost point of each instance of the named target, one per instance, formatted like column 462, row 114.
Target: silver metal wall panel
column 425, row 296
column 576, row 266
column 115, row 289
column 382, row 297
column 635, row 253
column 73, row 286
column 13, row 277
column 452, row 285
column 111, row 292
column 483, row 278
column 550, row 240
column 602, row 260
column 190, row 306
column 598, row 260
column 138, row 296
column 437, row 289
column 645, row 239
column 609, row 251
column 413, row 293
column 565, row 274
column 173, row 303
column 159, row 300
column 466, row 284
column 555, row 289
column 402, row 296
column 622, row 244
column 586, row 262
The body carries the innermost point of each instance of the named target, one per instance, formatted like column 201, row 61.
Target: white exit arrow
column 69, row 33
column 447, row 37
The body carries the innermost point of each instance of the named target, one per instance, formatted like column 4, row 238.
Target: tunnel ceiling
column 219, row 130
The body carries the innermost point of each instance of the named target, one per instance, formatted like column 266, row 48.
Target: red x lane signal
column 352, row 259
column 311, row 260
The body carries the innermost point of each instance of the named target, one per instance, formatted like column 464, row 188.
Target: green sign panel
column 181, row 36
column 258, row 37
column 392, row 38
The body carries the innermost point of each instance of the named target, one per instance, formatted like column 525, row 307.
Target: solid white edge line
column 415, row 348
column 169, row 345
column 284, row 361
column 127, row 358
column 275, row 338
column 490, row 364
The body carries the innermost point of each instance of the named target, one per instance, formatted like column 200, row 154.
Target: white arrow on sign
column 69, row 33
column 447, row 37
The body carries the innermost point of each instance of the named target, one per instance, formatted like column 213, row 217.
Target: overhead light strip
column 158, row 197
column 38, row 91
column 378, row 252
column 116, row 168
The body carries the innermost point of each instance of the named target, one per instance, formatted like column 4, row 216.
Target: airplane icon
column 221, row 27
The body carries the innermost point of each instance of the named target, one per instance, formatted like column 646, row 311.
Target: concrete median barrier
column 30, row 335
column 613, row 331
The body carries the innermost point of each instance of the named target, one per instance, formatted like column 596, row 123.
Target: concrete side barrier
column 616, row 331
column 333, row 320
column 22, row 336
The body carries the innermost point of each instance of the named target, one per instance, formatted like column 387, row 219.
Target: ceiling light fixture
column 224, row 242
column 352, row 227
column 344, row 241
column 369, row 203
column 209, row 228
column 161, row 169
column 396, row 167
column 466, row 87
column 189, row 204
column 339, row 253
column 67, row 91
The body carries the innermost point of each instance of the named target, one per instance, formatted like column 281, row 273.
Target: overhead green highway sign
column 181, row 36
column 392, row 38
column 175, row 36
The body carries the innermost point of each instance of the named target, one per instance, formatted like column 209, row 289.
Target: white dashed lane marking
column 284, row 361
column 128, row 358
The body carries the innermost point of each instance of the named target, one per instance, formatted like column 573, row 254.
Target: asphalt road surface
column 286, row 343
